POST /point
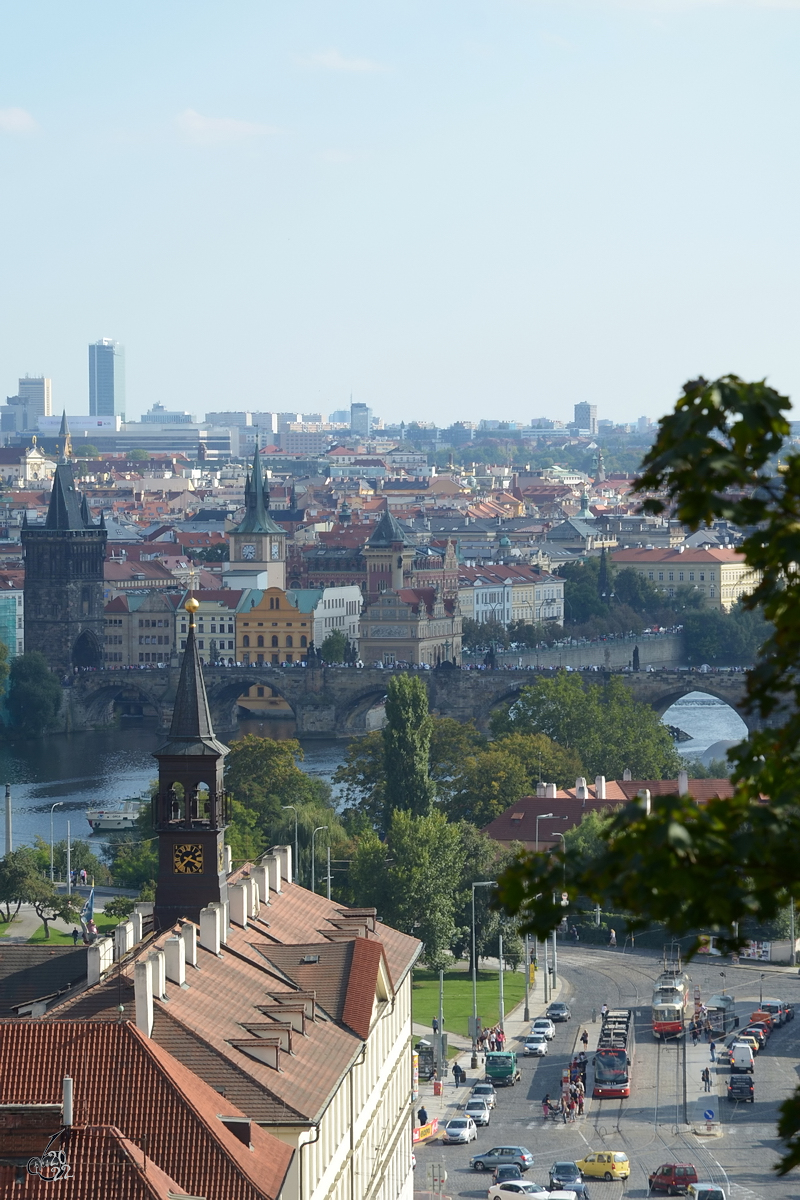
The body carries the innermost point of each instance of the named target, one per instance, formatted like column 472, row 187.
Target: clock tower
column 258, row 544
column 190, row 808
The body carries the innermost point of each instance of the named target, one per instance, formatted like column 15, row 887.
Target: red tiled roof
column 360, row 999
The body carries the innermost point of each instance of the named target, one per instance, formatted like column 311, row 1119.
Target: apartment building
column 720, row 575
column 505, row 594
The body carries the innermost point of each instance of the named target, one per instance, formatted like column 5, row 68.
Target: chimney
column 188, row 936
column 175, row 959
column 66, row 1095
column 683, row 783
column 284, row 854
column 209, row 928
column 158, row 974
column 550, row 791
column 600, row 786
column 581, row 790
column 260, row 875
column 272, row 863
column 540, row 789
column 626, row 775
column 228, row 860
column 237, row 898
column 644, row 800
column 143, row 993
column 252, row 897
column 136, row 923
column 224, row 919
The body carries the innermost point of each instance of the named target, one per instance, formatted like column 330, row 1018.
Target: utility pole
column 555, row 960
column 546, row 977
column 440, row 1035
column 791, row 932
column 526, row 1016
column 9, row 834
column 329, row 871
column 69, row 862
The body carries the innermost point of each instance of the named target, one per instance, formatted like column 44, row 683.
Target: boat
column 116, row 817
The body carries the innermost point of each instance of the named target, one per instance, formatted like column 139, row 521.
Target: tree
column 139, row 456
column 334, row 648
column 543, row 759
column 119, row 907
column 86, row 450
column 50, row 905
column 262, row 774
column 483, row 635
column 716, row 865
column 406, row 747
column 22, row 883
column 16, row 869
column 34, row 694
column 489, row 783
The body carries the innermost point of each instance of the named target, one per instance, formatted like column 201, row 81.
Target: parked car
column 484, row 1091
column 564, row 1174
column 500, row 1155
column 672, row 1178
column 749, row 1039
column 506, row 1173
column 605, row 1164
column 761, row 1027
column 742, row 1057
column 740, row 1087
column 479, row 1111
column 776, row 1009
column 705, row 1191
column 515, row 1187
column 536, row 1044
column 756, row 1031
column 460, row 1131
column 544, row 1025
column 558, row 1011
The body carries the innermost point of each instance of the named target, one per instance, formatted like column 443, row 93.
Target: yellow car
column 605, row 1164
column 751, row 1041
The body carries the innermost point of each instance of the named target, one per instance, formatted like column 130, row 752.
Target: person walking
column 435, row 1024
column 603, row 1011
column 695, row 1033
column 706, row 1078
column 422, row 1115
column 612, row 938
column 546, row 1108
column 585, row 1039
column 75, row 936
column 713, row 1048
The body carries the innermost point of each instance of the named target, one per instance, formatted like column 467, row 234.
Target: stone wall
column 657, row 650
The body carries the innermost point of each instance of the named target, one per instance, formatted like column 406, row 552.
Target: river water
column 86, row 770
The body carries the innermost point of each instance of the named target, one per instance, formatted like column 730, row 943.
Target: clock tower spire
column 190, row 810
column 258, row 544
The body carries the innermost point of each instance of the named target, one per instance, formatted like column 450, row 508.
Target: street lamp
column 541, row 817
column 313, row 835
column 474, row 1063
column 722, row 977
column 296, row 857
column 58, row 804
column 761, row 989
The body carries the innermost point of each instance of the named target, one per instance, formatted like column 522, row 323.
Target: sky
column 448, row 209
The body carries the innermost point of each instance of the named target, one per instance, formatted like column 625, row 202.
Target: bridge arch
column 352, row 715
column 226, row 687
column 121, row 697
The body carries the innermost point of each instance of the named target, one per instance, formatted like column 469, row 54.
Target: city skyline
column 512, row 208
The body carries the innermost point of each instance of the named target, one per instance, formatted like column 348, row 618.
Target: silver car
column 479, row 1111
column 535, row 1044
column 460, row 1131
column 485, row 1092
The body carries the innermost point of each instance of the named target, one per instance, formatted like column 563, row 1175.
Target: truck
column 501, row 1068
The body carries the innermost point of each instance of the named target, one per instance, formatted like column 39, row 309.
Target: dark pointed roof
column 388, row 532
column 191, row 731
column 256, row 518
column 64, row 430
column 66, row 510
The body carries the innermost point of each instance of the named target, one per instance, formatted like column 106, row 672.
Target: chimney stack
column 175, row 959
column 683, row 783
column 550, row 791
column 272, row 863
column 237, row 898
column 66, row 1094
column 284, row 854
column 644, row 800
column 581, row 790
column 540, row 789
column 143, row 994
column 260, row 875
column 158, row 976
column 600, row 786
column 626, row 775
column 209, row 929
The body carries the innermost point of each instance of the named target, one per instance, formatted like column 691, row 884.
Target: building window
column 289, row 642
column 275, row 660
column 691, row 577
column 246, row 640
column 671, row 576
column 649, row 574
column 260, row 641
column 274, row 639
column 680, row 576
column 660, row 576
column 303, row 640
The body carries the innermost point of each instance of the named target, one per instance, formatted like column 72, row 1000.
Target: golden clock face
column 187, row 858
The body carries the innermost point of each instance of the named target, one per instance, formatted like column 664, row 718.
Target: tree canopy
column 406, row 747
column 34, row 693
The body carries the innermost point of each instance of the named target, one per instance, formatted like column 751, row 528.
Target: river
column 85, row 770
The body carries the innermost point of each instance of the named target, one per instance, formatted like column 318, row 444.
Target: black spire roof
column 256, row 517
column 388, row 532
column 66, row 510
column 191, row 731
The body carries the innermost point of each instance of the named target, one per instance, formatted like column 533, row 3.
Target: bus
column 613, row 1059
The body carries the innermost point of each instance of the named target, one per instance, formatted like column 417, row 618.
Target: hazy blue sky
column 450, row 208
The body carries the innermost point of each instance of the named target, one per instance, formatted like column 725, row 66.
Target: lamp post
column 474, row 1062
column 58, row 804
column 313, row 873
column 761, row 989
column 564, row 840
column 541, row 817
column 722, row 976
column 296, row 858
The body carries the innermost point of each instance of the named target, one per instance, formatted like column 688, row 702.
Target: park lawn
column 57, row 938
column 458, row 997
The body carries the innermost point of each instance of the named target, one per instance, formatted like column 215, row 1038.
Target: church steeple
column 66, row 436
column 256, row 503
column 190, row 811
column 258, row 544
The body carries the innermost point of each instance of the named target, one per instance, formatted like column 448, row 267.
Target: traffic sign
column 708, row 1115
column 437, row 1176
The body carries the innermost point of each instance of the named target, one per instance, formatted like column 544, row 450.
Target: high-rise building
column 107, row 379
column 361, row 420
column 586, row 417
column 36, row 393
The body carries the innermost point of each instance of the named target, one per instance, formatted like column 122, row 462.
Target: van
column 741, row 1057
column 776, row 1009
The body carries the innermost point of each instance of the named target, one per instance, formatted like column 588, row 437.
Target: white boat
column 116, row 817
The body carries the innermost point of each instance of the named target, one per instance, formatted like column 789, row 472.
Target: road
column 649, row 1126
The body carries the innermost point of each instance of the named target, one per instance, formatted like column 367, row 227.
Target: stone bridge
column 334, row 702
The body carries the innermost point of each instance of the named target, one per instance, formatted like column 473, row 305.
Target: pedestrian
column 456, row 1074
column 564, row 1108
column 603, row 1011
column 612, row 937
column 422, row 1115
column 75, row 936
column 695, row 1033
column 546, row 1106
column 585, row 1039
column 706, row 1078
column 435, row 1024
column 713, row 1048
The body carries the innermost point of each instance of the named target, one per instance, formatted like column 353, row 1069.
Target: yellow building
column 721, row 575
column 275, row 630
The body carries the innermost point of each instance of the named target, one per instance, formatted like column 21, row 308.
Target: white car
column 479, row 1111
column 485, row 1092
column 515, row 1187
column 544, row 1025
column 536, row 1044
column 460, row 1132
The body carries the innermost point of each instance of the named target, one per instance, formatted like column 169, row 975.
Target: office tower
column 36, row 394
column 340, row 417
column 586, row 417
column 361, row 420
column 107, row 379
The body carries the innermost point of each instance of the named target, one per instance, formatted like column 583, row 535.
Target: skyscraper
column 361, row 420
column 107, row 379
column 36, row 394
column 586, row 417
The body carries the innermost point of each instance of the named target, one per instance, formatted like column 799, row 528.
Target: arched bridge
column 334, row 702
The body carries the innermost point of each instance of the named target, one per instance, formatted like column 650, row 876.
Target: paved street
column 657, row 1123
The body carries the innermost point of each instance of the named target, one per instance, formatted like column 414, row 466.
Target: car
column 776, row 1009
column 500, row 1155
column 672, row 1178
column 605, row 1164
column 545, row 1026
column 506, row 1173
column 788, row 1010
column 756, row 1031
column 460, row 1131
column 479, row 1111
column 564, row 1174
column 558, row 1011
column 485, row 1092
column 750, row 1040
column 515, row 1187
column 705, row 1191
column 762, row 1027
column 740, row 1087
column 536, row 1044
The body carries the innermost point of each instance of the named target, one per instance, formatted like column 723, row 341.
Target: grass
column 458, row 997
column 57, row 938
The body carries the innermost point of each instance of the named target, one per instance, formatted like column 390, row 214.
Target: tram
column 670, row 996
column 613, row 1060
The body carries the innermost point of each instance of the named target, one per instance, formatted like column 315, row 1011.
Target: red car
column 672, row 1178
